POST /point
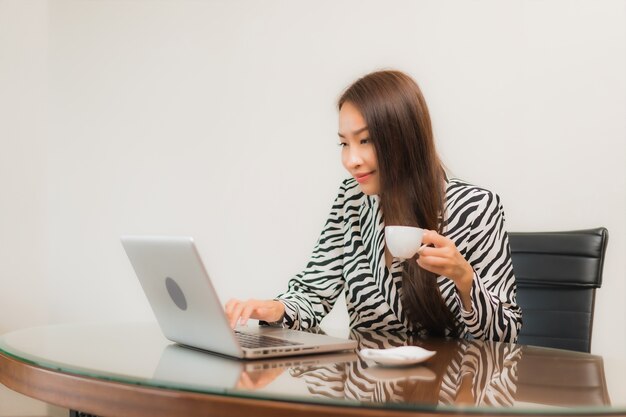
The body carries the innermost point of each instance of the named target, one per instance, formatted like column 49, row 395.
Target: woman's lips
column 361, row 178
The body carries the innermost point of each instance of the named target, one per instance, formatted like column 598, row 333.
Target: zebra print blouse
column 350, row 256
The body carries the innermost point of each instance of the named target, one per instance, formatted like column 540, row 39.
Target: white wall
column 23, row 132
column 216, row 119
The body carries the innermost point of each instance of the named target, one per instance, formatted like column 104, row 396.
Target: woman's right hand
column 240, row 311
column 252, row 380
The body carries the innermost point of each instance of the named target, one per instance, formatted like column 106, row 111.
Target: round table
column 130, row 369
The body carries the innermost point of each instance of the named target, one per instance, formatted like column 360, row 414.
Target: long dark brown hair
column 412, row 179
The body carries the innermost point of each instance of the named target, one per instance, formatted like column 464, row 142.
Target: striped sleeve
column 495, row 314
column 312, row 293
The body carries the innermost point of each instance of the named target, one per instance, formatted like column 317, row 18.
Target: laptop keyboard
column 253, row 341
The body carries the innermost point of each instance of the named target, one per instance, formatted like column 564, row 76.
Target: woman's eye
column 342, row 144
column 365, row 141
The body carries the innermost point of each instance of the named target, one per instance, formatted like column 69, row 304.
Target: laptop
column 189, row 311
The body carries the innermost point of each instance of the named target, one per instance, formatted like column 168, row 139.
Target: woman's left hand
column 443, row 258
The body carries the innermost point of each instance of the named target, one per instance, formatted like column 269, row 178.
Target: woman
column 461, row 284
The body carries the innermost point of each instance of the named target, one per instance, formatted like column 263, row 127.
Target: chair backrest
column 557, row 274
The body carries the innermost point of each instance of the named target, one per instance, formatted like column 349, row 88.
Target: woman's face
column 358, row 154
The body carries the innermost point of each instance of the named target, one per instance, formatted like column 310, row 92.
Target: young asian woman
column 461, row 283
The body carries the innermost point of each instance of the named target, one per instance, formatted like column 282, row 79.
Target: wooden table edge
column 108, row 398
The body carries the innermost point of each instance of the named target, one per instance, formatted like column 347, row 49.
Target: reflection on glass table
column 463, row 375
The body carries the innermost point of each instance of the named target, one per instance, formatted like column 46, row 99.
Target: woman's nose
column 354, row 158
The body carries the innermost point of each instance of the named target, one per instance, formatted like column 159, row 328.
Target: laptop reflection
column 184, row 367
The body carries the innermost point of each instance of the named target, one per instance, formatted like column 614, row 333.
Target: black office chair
column 557, row 275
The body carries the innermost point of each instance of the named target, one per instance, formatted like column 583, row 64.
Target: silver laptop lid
column 180, row 293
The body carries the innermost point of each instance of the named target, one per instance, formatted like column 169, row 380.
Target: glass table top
column 468, row 375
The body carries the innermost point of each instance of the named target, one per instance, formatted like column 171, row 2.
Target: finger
column 446, row 252
column 440, row 266
column 424, row 246
column 228, row 307
column 236, row 314
column 429, row 251
column 244, row 381
column 430, row 262
column 247, row 312
column 431, row 237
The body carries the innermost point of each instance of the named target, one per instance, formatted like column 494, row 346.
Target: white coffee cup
column 403, row 241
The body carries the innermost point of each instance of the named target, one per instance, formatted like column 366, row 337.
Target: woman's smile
column 363, row 177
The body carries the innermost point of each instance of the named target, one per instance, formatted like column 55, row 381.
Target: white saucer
column 398, row 356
